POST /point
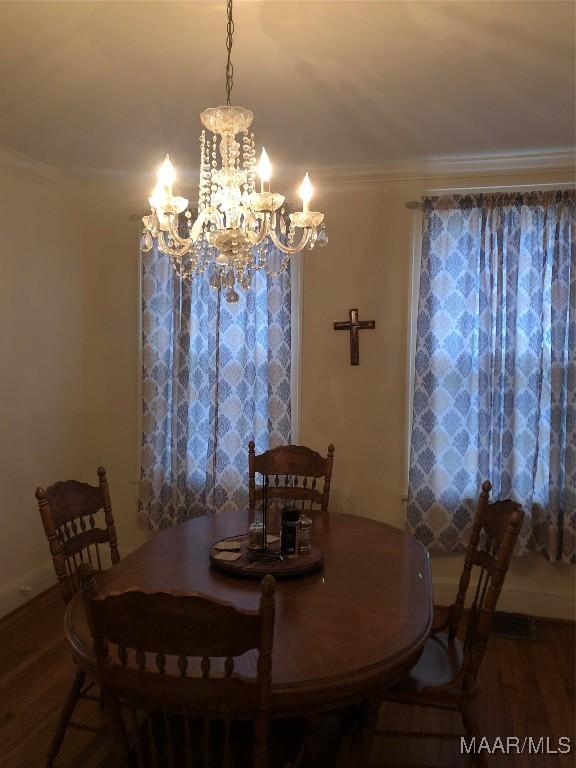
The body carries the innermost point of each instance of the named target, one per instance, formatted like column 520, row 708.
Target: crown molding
column 35, row 170
column 329, row 177
column 451, row 167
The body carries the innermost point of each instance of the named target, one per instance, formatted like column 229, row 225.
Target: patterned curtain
column 215, row 375
column 495, row 367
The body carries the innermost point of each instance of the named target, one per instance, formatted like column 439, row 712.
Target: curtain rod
column 417, row 204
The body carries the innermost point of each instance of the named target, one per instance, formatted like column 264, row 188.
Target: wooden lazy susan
column 231, row 556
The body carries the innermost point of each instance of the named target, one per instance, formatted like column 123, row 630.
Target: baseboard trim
column 21, row 590
column 546, row 605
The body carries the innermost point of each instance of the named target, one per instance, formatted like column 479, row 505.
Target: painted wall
column 363, row 410
column 41, row 371
column 110, row 324
column 69, row 374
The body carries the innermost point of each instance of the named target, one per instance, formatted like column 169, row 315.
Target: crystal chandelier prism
column 241, row 225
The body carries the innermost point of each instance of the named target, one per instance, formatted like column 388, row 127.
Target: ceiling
column 109, row 87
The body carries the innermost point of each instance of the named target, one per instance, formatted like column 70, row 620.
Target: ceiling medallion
column 239, row 228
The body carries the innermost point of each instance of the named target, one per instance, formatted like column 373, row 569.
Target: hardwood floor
column 527, row 689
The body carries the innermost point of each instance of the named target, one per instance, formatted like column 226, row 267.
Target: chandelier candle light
column 238, row 229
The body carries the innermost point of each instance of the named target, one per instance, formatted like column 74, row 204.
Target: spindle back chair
column 293, row 472
column 172, row 672
column 69, row 511
column 495, row 530
column 447, row 673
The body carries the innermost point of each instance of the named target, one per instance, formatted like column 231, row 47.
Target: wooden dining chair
column 166, row 663
column 69, row 511
column 293, row 472
column 446, row 676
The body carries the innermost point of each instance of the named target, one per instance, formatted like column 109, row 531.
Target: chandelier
column 240, row 226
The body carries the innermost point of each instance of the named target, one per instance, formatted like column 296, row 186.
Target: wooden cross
column 354, row 325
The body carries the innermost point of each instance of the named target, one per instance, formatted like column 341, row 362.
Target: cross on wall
column 354, row 325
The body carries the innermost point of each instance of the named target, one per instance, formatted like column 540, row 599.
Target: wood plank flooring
column 527, row 689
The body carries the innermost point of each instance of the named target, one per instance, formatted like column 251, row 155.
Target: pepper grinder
column 304, row 534
column 289, row 533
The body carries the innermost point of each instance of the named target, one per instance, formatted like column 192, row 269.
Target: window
column 214, row 376
column 495, row 367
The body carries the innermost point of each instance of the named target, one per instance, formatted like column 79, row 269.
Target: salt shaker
column 304, row 534
column 255, row 535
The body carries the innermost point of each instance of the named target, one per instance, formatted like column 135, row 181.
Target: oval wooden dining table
column 341, row 634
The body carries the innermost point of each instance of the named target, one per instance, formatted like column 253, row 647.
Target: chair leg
column 65, row 716
column 467, row 711
column 118, row 732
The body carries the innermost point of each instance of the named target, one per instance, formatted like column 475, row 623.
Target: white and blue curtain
column 495, row 368
column 214, row 376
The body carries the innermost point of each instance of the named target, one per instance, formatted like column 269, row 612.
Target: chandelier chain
column 229, row 41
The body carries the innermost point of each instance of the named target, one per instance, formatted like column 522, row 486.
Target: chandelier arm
column 291, row 248
column 184, row 241
column 257, row 238
column 207, row 215
column 168, row 249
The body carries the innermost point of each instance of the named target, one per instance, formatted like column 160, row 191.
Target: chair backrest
column 174, row 661
column 293, row 472
column 69, row 511
column 495, row 531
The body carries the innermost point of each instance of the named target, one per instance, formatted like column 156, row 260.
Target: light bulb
column 158, row 198
column 305, row 192
column 264, row 169
column 166, row 174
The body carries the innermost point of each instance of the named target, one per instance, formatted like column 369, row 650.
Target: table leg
column 357, row 734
